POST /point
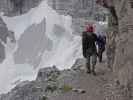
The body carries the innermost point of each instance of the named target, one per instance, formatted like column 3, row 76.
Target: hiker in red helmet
column 89, row 48
column 89, row 28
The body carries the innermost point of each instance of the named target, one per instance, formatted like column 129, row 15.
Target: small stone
column 79, row 91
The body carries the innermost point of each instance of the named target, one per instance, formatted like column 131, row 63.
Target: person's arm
column 84, row 44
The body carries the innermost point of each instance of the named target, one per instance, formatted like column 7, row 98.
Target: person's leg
column 88, row 64
column 94, row 61
column 100, row 56
column 100, row 52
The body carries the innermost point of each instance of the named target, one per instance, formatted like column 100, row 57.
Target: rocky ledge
column 69, row 84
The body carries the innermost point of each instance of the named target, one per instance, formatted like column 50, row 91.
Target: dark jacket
column 88, row 43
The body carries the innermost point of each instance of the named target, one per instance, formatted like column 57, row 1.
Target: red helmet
column 89, row 28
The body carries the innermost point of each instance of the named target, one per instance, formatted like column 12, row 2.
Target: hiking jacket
column 88, row 43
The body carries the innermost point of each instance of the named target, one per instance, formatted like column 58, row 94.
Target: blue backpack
column 101, row 41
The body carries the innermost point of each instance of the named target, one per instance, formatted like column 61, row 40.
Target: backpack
column 101, row 42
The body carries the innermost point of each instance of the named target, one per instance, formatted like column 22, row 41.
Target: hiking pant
column 100, row 54
column 91, row 61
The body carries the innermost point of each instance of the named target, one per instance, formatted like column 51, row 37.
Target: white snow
column 65, row 49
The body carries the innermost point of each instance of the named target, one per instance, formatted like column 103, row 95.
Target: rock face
column 123, row 60
column 4, row 34
column 124, row 54
column 4, row 5
column 124, row 51
column 75, row 8
column 12, row 8
column 79, row 10
column 16, row 7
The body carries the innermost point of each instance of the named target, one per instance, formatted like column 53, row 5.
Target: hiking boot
column 93, row 70
column 94, row 73
column 88, row 71
column 100, row 60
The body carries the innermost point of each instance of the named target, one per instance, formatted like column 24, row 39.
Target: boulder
column 48, row 74
column 79, row 64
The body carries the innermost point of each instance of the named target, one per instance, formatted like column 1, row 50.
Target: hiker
column 101, row 42
column 89, row 48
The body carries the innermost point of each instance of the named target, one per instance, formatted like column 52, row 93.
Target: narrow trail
column 93, row 85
